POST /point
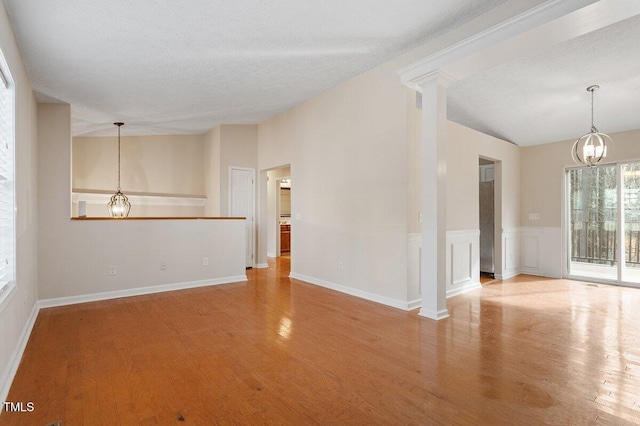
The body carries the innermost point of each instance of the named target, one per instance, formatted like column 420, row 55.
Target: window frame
column 7, row 85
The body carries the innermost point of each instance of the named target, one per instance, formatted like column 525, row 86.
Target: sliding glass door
column 631, row 202
column 604, row 223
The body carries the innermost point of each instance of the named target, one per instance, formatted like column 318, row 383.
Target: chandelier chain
column 593, row 127
column 119, row 148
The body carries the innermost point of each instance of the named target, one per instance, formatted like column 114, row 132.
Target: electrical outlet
column 163, row 266
column 113, row 270
column 341, row 266
column 205, row 261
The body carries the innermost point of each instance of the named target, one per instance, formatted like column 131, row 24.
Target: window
column 7, row 185
column 604, row 222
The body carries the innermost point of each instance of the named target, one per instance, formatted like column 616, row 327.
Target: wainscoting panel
column 463, row 264
column 541, row 251
column 463, row 261
column 530, row 261
column 510, row 253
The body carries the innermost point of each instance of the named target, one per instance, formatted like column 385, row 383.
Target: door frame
column 253, row 213
column 278, row 213
column 566, row 227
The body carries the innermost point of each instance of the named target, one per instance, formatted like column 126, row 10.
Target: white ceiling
column 164, row 68
column 542, row 98
column 178, row 67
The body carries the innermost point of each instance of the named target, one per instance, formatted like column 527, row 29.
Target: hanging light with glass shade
column 589, row 149
column 119, row 205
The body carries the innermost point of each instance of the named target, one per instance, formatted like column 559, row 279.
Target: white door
column 242, row 205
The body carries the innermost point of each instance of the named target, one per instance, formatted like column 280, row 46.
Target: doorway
column 284, row 216
column 278, row 214
column 603, row 218
column 487, row 217
column 241, row 202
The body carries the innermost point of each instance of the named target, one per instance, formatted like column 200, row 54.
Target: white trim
column 414, row 304
column 466, row 242
column 262, row 265
column 510, row 240
column 536, row 16
column 439, row 315
column 254, row 227
column 12, row 366
column 273, row 255
column 465, row 288
column 278, row 202
column 603, row 281
column 438, row 77
column 93, row 297
column 509, row 274
column 394, row 303
column 464, row 233
column 8, row 294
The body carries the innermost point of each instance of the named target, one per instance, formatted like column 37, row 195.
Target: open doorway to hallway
column 284, row 217
column 279, row 194
column 487, row 219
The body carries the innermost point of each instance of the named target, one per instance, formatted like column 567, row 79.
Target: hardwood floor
column 278, row 351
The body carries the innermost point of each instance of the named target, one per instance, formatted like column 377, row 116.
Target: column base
column 434, row 315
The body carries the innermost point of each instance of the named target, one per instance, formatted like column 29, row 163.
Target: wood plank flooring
column 278, row 351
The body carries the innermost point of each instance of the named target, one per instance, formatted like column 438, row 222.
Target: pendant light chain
column 119, row 205
column 119, row 125
column 593, row 127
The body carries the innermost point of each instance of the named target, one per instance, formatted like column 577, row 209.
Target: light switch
column 534, row 216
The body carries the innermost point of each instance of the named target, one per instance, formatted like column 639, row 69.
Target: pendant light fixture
column 119, row 205
column 589, row 149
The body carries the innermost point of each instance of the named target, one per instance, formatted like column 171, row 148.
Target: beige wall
column 465, row 146
column 348, row 152
column 239, row 148
column 16, row 310
column 75, row 255
column 149, row 164
column 212, row 171
column 542, row 175
column 155, row 164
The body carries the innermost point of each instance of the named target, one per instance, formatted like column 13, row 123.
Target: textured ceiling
column 176, row 67
column 543, row 98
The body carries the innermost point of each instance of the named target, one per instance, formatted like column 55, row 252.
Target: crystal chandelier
column 589, row 149
column 119, row 205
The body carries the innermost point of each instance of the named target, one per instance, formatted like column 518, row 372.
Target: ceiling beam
column 539, row 28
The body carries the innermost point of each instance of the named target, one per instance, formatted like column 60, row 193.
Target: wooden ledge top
column 157, row 218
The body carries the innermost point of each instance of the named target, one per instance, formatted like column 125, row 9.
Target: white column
column 433, row 182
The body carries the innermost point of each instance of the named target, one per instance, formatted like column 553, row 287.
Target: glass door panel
column 631, row 207
column 593, row 210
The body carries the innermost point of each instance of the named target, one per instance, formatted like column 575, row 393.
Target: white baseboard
column 262, row 265
column 16, row 356
column 434, row 315
column 72, row 300
column 465, row 288
column 414, row 304
column 354, row 292
column 271, row 255
column 507, row 275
